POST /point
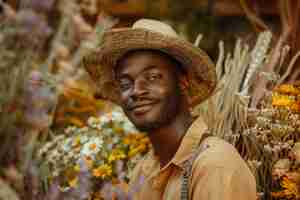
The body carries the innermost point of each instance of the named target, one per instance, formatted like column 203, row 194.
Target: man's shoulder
column 221, row 170
column 218, row 153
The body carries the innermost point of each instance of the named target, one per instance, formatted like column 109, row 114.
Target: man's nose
column 139, row 89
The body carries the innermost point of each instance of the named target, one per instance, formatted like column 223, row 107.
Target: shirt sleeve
column 219, row 183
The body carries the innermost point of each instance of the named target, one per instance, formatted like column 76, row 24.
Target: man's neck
column 166, row 140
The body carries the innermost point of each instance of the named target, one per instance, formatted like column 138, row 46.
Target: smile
column 142, row 109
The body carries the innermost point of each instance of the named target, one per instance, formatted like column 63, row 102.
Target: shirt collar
column 186, row 148
column 190, row 141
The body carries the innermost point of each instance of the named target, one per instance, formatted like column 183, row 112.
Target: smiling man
column 156, row 77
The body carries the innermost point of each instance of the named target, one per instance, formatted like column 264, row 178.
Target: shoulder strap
column 187, row 168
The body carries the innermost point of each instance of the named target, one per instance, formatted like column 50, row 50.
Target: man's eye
column 125, row 86
column 154, row 77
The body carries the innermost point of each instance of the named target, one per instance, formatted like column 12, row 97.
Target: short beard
column 168, row 113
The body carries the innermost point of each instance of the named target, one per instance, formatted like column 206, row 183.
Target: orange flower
column 282, row 100
column 296, row 106
column 287, row 89
column 290, row 190
column 103, row 171
column 135, row 150
column 92, row 146
column 145, row 140
column 116, row 154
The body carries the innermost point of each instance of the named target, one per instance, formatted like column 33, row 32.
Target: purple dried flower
column 84, row 188
column 28, row 18
column 42, row 5
column 121, row 194
column 135, row 187
column 39, row 101
column 120, row 170
column 33, row 23
column 109, row 190
column 106, row 191
column 54, row 192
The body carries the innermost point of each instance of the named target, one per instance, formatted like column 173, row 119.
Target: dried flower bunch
column 261, row 121
column 288, row 96
column 109, row 147
column 41, row 47
column 286, row 170
column 276, row 130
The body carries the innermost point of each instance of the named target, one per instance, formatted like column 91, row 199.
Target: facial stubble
column 169, row 110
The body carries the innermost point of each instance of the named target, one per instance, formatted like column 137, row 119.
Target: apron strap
column 187, row 168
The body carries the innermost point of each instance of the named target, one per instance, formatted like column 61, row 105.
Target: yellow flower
column 290, row 187
column 135, row 150
column 295, row 106
column 76, row 141
column 290, row 190
column 287, row 89
column 139, row 136
column 73, row 181
column 282, row 100
column 103, row 171
column 145, row 140
column 134, row 139
column 77, row 168
column 130, row 139
column 71, row 176
column 116, row 154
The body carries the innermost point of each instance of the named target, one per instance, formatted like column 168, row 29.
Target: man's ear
column 183, row 83
column 184, row 86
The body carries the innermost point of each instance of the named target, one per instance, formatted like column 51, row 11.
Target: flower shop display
column 275, row 128
column 107, row 148
column 286, row 170
column 42, row 45
column 260, row 118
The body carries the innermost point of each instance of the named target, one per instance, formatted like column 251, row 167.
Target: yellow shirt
column 218, row 172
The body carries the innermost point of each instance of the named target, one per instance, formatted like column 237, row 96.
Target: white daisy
column 92, row 147
column 92, row 122
column 84, row 139
column 104, row 119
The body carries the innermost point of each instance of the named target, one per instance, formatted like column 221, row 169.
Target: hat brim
column 116, row 42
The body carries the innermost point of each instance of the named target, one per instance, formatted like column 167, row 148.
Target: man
column 156, row 77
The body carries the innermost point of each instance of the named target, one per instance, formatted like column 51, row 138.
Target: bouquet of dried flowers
column 286, row 170
column 107, row 149
column 275, row 128
column 261, row 121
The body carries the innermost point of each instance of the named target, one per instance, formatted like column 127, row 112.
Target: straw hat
column 150, row 34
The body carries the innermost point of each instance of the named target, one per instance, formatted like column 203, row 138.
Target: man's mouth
column 142, row 108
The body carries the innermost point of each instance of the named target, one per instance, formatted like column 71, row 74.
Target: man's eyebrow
column 150, row 67
column 126, row 74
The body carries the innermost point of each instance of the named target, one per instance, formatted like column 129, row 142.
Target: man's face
column 148, row 83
